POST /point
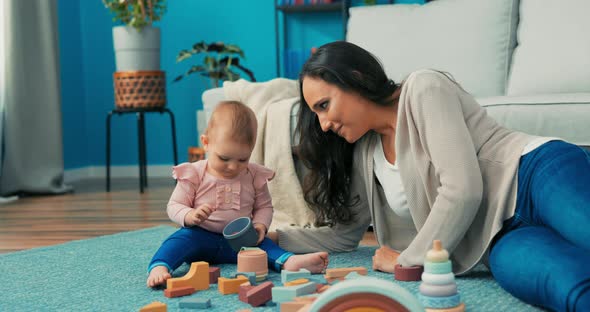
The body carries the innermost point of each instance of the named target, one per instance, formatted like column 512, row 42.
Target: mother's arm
column 438, row 116
column 337, row 238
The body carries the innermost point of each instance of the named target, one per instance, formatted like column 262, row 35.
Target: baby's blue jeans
column 542, row 254
column 197, row 244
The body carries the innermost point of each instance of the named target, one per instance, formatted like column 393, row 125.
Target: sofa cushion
column 553, row 52
column 554, row 115
column 471, row 39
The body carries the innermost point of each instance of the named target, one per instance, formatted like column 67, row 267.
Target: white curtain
column 2, row 79
column 2, row 95
column 32, row 160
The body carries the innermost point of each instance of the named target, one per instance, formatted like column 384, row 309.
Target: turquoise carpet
column 108, row 274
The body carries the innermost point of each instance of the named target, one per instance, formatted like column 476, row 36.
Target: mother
column 422, row 160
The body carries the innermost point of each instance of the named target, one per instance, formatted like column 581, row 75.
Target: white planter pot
column 136, row 50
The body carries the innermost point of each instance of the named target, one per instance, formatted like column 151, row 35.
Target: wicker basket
column 140, row 89
column 196, row 153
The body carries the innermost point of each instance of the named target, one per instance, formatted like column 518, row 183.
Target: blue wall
column 73, row 97
column 87, row 66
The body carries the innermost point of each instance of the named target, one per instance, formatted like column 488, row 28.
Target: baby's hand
column 197, row 216
column 261, row 229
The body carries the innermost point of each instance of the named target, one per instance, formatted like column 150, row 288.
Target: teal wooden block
column 288, row 293
column 353, row 275
column 250, row 275
column 287, row 276
column 195, row 303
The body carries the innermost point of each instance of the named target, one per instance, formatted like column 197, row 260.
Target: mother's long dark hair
column 328, row 156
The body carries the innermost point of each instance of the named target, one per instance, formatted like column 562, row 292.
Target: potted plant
column 136, row 42
column 219, row 63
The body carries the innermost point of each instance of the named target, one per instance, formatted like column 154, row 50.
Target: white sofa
column 526, row 61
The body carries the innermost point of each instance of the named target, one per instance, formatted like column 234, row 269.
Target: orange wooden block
column 293, row 306
column 197, row 277
column 296, row 282
column 307, row 308
column 231, row 285
column 332, row 279
column 179, row 292
column 321, row 288
column 342, row 272
column 307, row 299
column 155, row 306
column 459, row 308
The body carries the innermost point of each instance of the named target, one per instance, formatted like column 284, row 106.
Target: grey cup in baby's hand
column 240, row 233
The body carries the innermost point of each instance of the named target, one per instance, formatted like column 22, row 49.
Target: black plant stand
column 140, row 139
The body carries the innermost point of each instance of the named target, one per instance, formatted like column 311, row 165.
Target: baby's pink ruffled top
column 246, row 195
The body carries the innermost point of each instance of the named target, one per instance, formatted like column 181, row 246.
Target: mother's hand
column 385, row 259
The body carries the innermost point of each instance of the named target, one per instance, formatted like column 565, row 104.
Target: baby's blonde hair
column 239, row 118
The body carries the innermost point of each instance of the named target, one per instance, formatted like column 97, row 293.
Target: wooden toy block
column 179, row 292
column 283, row 294
column 214, row 273
column 296, row 282
column 459, row 308
column 437, row 253
column 231, row 285
column 321, row 288
column 307, row 308
column 292, row 306
column 155, row 306
column 243, row 290
column 317, row 278
column 352, row 275
column 331, row 280
column 287, row 276
column 197, row 277
column 250, row 275
column 309, row 298
column 260, row 294
column 408, row 274
column 195, row 303
column 342, row 272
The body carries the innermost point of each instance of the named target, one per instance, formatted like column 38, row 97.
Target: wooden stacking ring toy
column 408, row 274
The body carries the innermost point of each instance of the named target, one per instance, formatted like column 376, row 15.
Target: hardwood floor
column 88, row 212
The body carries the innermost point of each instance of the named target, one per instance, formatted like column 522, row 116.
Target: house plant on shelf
column 219, row 62
column 136, row 42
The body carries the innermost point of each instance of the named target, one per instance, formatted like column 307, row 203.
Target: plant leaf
column 231, row 75
column 183, row 55
column 210, row 61
column 199, row 47
column 234, row 49
column 195, row 69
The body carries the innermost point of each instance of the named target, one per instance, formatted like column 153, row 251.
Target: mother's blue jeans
column 542, row 254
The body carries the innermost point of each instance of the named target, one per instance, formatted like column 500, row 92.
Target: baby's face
column 227, row 158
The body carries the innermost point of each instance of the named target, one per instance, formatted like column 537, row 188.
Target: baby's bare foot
column 158, row 276
column 316, row 262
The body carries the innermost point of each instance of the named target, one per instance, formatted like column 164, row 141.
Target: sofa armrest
column 211, row 98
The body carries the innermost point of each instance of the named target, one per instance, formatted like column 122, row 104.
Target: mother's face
column 342, row 112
